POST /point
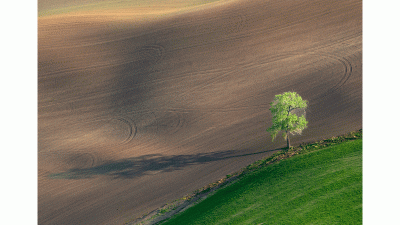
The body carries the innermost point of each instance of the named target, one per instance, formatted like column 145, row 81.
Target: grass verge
column 321, row 185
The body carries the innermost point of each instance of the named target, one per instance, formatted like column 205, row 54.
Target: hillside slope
column 138, row 111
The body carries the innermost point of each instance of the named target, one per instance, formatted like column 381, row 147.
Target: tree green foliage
column 283, row 116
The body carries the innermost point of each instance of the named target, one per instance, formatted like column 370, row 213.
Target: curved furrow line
column 150, row 53
column 91, row 44
column 96, row 95
column 346, row 75
column 178, row 126
column 153, row 53
column 180, row 76
column 239, row 36
column 176, row 24
column 247, row 34
column 77, row 159
column 68, row 166
column 342, row 40
column 106, row 131
column 85, row 160
column 238, row 20
column 132, row 129
column 346, row 64
column 347, row 69
column 208, row 82
column 342, row 60
column 117, row 130
column 169, row 122
column 74, row 70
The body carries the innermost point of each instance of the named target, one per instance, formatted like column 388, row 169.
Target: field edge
column 169, row 210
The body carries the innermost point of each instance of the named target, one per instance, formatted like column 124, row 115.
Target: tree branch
column 293, row 109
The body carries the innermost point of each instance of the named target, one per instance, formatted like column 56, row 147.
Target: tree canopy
column 283, row 116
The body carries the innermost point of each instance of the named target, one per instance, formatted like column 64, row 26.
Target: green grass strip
column 319, row 187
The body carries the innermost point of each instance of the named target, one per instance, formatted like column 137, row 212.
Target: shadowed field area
column 147, row 164
column 139, row 106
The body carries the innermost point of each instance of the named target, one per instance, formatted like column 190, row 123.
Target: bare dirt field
column 138, row 107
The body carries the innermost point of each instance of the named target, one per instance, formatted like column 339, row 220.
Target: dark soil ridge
column 180, row 205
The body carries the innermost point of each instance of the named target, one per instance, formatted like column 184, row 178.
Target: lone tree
column 285, row 109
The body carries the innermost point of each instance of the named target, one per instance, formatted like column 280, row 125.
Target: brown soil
column 134, row 113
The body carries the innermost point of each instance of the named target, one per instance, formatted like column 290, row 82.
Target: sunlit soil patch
column 121, row 9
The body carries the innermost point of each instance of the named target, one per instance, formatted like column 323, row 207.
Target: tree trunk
column 287, row 131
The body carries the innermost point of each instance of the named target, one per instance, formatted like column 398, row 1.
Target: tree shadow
column 148, row 164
